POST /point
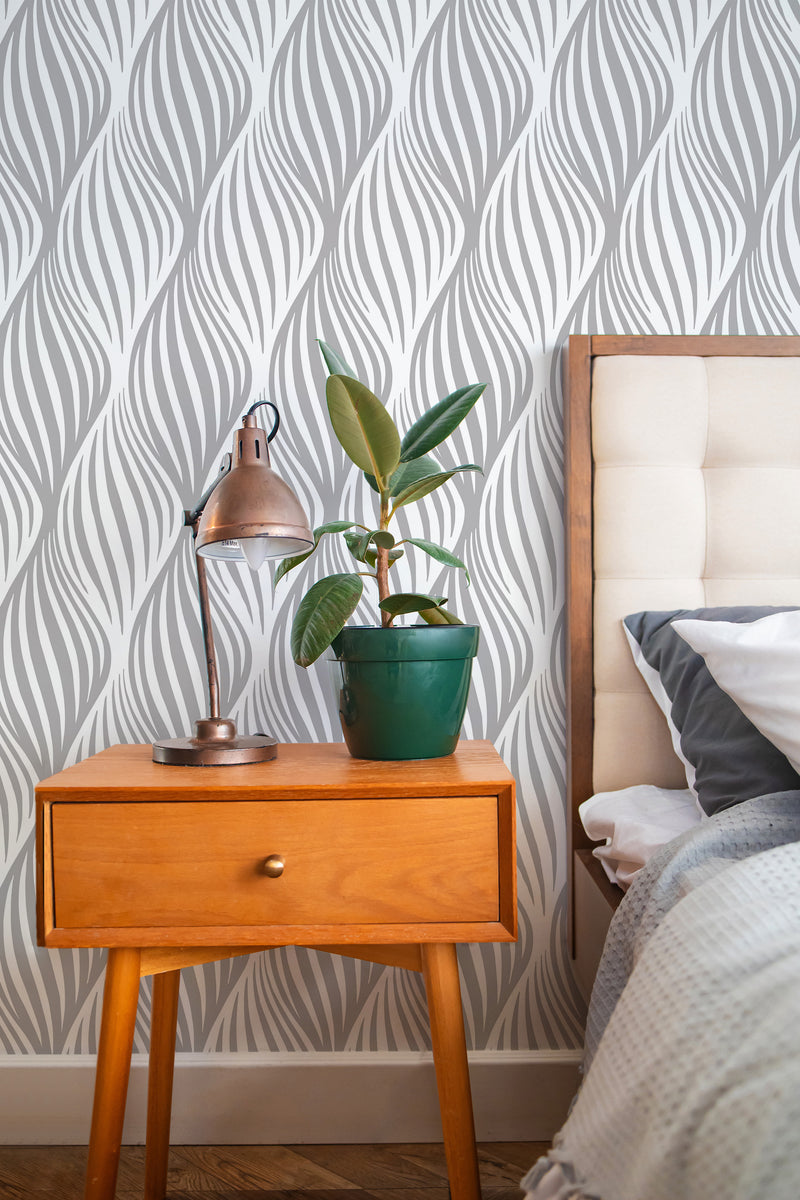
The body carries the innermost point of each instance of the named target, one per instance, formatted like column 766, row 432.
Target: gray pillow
column 727, row 760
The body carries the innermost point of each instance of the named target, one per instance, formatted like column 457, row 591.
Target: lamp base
column 215, row 744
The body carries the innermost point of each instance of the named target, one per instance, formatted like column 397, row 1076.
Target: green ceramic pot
column 403, row 692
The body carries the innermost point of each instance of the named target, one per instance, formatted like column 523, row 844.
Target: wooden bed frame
column 593, row 898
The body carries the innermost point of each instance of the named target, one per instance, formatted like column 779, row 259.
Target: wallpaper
column 192, row 192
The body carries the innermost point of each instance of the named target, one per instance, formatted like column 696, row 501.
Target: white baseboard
column 265, row 1099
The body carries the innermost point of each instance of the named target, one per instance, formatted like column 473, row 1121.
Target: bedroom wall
column 190, row 194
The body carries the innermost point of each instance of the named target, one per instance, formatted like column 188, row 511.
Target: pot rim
column 408, row 643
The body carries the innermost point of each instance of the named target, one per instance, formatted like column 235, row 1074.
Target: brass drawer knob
column 273, row 866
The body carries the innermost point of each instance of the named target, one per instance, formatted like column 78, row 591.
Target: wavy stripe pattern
column 190, row 194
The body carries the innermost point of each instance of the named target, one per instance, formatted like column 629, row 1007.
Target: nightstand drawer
column 194, row 864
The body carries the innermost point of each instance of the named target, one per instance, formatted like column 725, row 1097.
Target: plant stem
column 382, row 563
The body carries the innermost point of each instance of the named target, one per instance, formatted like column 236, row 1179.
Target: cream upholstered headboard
column 696, row 504
column 683, row 490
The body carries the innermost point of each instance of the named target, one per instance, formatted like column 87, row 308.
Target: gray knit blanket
column 691, row 1082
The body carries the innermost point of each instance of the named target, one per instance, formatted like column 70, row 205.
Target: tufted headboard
column 683, row 490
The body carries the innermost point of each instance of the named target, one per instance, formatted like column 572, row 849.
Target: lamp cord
column 269, row 404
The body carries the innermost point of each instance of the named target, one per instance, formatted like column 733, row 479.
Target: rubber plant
column 400, row 472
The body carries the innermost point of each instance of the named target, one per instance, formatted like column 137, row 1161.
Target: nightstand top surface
column 325, row 769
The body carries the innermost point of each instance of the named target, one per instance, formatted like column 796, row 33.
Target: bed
column 683, row 526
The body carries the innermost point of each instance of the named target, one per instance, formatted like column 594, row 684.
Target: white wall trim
column 263, row 1099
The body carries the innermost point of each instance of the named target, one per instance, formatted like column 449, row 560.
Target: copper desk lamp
column 247, row 513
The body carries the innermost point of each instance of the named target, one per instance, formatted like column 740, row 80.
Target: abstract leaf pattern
column 190, row 194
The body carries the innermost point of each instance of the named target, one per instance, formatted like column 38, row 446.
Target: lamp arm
column 208, row 635
column 192, row 515
column 191, row 518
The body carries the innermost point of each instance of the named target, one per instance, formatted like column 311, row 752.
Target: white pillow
column 758, row 665
column 635, row 822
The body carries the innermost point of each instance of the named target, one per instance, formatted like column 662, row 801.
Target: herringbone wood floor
column 386, row 1172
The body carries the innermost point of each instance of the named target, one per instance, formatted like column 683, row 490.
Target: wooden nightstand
column 172, row 866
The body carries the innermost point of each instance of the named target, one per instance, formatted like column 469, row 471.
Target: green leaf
column 363, row 426
column 409, row 472
column 359, row 544
column 409, row 602
column 333, row 527
column 439, row 422
column 334, row 361
column 288, row 564
column 371, row 557
column 354, row 545
column 440, row 554
column 429, row 483
column 322, row 614
column 439, row 616
column 405, row 474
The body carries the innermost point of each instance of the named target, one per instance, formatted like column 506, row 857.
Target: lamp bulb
column 255, row 551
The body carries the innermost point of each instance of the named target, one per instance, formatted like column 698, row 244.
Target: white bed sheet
column 635, row 822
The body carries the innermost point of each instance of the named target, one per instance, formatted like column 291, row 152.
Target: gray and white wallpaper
column 191, row 192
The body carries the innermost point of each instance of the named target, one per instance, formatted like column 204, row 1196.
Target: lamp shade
column 252, row 513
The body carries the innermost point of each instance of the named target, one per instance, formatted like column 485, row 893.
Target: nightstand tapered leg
column 440, row 969
column 120, row 999
column 163, row 1027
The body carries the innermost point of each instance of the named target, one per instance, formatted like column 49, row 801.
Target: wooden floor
column 388, row 1172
